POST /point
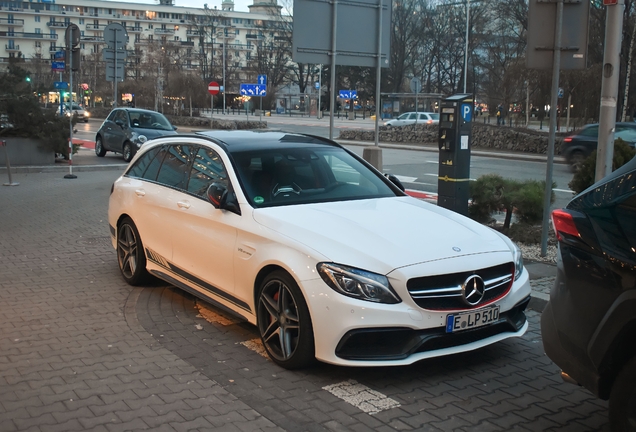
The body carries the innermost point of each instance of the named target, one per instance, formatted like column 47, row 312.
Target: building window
column 38, row 44
column 38, row 31
column 82, row 20
column 37, row 18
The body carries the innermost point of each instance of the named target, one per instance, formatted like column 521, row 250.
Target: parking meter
column 454, row 152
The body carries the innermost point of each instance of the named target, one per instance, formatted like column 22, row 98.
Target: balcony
column 55, row 49
column 12, row 48
column 162, row 31
column 57, row 24
column 12, row 22
column 95, row 27
column 239, row 47
column 22, row 35
column 135, row 29
column 92, row 39
column 192, row 33
column 186, row 43
column 134, row 54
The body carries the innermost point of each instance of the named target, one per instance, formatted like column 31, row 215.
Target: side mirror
column 222, row 198
column 119, row 123
column 174, row 128
column 396, row 181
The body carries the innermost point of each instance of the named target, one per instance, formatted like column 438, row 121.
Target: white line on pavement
column 361, row 396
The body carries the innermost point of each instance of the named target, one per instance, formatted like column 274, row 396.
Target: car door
column 114, row 135
column 205, row 240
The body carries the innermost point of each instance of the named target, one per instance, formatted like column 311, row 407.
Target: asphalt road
column 418, row 169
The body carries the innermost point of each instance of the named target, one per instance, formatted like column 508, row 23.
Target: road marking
column 213, row 317
column 406, row 178
column 362, row 397
column 256, row 345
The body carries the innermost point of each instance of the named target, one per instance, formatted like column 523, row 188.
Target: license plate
column 471, row 320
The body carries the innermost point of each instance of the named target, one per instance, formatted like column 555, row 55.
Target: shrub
column 584, row 178
column 27, row 118
column 492, row 193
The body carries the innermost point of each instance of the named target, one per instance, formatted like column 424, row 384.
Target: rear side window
column 153, row 168
column 173, row 169
column 590, row 132
column 142, row 164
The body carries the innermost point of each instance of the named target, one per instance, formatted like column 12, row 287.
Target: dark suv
column 578, row 146
column 589, row 324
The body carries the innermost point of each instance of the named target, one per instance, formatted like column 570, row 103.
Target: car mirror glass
column 174, row 128
column 396, row 181
column 119, row 123
column 217, row 194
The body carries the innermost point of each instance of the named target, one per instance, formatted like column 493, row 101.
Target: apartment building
column 198, row 40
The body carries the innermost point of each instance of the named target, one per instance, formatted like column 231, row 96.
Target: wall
column 484, row 136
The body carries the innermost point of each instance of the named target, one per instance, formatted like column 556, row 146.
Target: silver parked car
column 410, row 118
column 126, row 129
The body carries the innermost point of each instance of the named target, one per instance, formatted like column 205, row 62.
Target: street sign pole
column 319, row 91
column 332, row 102
column 115, row 68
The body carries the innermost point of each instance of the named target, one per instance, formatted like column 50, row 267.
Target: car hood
column 153, row 133
column 381, row 234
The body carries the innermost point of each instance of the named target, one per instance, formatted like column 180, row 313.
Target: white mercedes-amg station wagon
column 329, row 258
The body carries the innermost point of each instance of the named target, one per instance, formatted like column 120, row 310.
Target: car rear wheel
column 130, row 253
column 622, row 404
column 99, row 147
column 576, row 161
column 128, row 152
column 284, row 322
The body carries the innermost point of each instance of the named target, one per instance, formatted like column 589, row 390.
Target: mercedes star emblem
column 473, row 290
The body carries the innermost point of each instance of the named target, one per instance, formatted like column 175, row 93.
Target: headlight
column 357, row 283
column 518, row 257
column 87, row 114
column 139, row 139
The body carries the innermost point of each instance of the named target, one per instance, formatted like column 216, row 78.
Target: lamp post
column 224, row 37
column 466, row 48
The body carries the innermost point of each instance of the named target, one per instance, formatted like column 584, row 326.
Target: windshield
column 305, row 175
column 149, row 120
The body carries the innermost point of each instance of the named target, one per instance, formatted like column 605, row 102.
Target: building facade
column 164, row 41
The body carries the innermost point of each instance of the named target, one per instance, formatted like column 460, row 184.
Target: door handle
column 183, row 204
column 140, row 192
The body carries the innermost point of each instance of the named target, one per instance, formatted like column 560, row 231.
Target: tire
column 284, row 322
column 100, row 151
column 130, row 253
column 622, row 403
column 128, row 152
column 576, row 161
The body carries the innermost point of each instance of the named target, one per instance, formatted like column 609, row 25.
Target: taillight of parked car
column 563, row 223
column 567, row 139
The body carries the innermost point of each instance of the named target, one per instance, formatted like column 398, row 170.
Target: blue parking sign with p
column 467, row 112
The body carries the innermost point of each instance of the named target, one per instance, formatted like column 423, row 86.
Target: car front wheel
column 99, row 147
column 284, row 322
column 130, row 253
column 622, row 404
column 128, row 152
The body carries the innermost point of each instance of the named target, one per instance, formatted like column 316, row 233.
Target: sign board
column 356, row 32
column 59, row 55
column 58, row 66
column 560, row 92
column 541, row 27
column 262, row 80
column 110, row 72
column 467, row 112
column 253, row 90
column 609, row 2
column 317, row 85
column 108, row 54
column 60, row 84
column 115, row 36
column 416, row 85
column 72, row 36
column 348, row 94
column 213, row 88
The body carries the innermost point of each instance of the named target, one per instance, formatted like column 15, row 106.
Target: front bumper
column 353, row 332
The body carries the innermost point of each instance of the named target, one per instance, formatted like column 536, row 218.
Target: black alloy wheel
column 128, row 151
column 130, row 253
column 99, row 147
column 284, row 322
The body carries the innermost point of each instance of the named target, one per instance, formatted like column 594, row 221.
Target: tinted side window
column 206, row 169
column 626, row 134
column 173, row 169
column 112, row 115
column 153, row 169
column 139, row 168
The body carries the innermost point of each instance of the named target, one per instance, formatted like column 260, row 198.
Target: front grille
column 444, row 292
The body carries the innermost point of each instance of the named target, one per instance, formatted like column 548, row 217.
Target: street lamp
column 224, row 36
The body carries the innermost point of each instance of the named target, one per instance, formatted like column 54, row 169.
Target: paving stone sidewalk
column 81, row 350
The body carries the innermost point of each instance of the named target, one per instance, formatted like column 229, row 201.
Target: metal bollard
column 6, row 158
